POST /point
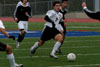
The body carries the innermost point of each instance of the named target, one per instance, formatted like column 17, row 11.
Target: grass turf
column 86, row 48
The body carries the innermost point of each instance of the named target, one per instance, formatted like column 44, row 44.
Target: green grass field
column 86, row 48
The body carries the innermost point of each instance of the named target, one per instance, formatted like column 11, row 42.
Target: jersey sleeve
column 16, row 10
column 29, row 10
column 49, row 14
column 91, row 14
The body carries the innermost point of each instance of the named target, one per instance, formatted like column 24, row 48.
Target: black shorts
column 62, row 24
column 3, row 46
column 49, row 33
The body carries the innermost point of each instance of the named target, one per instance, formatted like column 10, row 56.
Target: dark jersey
column 21, row 10
column 63, row 12
column 62, row 22
column 94, row 15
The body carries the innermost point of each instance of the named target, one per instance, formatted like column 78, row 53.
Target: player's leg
column 35, row 46
column 45, row 36
column 64, row 35
column 10, row 56
column 59, row 39
column 23, row 27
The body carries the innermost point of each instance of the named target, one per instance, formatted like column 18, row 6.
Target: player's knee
column 41, row 43
column 60, row 39
column 23, row 32
column 9, row 49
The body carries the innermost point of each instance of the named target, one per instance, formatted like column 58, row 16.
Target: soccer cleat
column 59, row 51
column 17, row 44
column 54, row 56
column 32, row 51
column 19, row 65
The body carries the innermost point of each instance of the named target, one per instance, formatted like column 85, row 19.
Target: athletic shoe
column 54, row 56
column 59, row 51
column 32, row 51
column 19, row 65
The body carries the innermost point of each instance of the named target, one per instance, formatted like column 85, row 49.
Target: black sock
column 20, row 38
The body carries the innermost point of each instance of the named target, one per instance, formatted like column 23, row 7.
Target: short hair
column 64, row 0
column 56, row 2
column 22, row 0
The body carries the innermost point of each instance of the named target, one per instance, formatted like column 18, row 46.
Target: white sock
column 55, row 48
column 11, row 60
column 35, row 46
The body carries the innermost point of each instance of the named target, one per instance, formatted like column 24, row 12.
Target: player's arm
column 91, row 14
column 29, row 13
column 66, row 11
column 5, row 33
column 16, row 12
column 47, row 18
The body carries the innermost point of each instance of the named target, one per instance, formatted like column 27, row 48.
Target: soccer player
column 21, row 16
column 52, row 30
column 7, row 48
column 91, row 14
column 63, row 10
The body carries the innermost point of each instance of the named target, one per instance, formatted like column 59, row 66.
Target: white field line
column 64, row 41
column 61, row 47
column 82, row 27
column 47, row 56
column 88, row 65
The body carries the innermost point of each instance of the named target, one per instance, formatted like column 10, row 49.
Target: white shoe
column 19, row 65
column 54, row 56
column 17, row 44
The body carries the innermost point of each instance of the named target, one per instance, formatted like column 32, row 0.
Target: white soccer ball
column 71, row 57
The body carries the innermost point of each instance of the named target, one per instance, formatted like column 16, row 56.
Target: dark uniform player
column 91, row 14
column 63, row 10
column 21, row 16
column 7, row 48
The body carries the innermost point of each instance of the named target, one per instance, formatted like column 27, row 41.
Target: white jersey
column 1, row 25
column 56, row 17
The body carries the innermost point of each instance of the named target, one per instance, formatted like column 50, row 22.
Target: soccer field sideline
column 32, row 34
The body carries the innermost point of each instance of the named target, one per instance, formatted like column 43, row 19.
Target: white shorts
column 23, row 25
column 1, row 25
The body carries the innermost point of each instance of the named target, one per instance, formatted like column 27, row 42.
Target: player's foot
column 19, row 65
column 32, row 51
column 59, row 51
column 54, row 56
column 17, row 44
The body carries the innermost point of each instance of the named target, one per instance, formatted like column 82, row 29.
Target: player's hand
column 12, row 37
column 16, row 19
column 26, row 13
column 65, row 23
column 83, row 4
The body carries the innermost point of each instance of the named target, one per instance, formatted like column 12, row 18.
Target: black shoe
column 59, row 51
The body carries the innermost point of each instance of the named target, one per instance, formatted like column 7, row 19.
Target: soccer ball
column 71, row 57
